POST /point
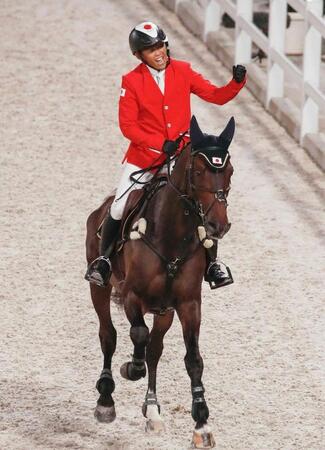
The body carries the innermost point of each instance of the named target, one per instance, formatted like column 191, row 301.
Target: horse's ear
column 195, row 132
column 228, row 133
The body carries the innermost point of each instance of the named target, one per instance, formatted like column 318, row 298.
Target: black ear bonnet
column 214, row 149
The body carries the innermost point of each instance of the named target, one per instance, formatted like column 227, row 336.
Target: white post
column 212, row 18
column 243, row 51
column 311, row 70
column 177, row 2
column 277, row 29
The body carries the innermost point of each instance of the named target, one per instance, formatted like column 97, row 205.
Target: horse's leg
column 190, row 318
column 105, row 410
column 151, row 407
column 139, row 334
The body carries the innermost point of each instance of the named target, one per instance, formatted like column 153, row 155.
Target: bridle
column 189, row 199
column 220, row 195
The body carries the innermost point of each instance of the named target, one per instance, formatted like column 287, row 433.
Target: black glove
column 238, row 73
column 170, row 147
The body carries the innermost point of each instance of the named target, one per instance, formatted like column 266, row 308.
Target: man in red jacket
column 154, row 110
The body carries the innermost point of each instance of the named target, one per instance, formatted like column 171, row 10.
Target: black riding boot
column 99, row 271
column 215, row 275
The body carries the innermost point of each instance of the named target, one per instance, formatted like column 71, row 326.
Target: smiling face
column 155, row 56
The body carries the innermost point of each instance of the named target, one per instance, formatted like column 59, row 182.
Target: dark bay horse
column 159, row 268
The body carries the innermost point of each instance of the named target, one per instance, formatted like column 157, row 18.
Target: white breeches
column 125, row 183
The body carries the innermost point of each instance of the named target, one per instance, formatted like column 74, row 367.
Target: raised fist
column 238, row 73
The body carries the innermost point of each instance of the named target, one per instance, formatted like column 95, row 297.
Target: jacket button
column 165, row 107
column 169, row 125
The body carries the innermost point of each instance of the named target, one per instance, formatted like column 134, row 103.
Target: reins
column 153, row 166
column 141, row 172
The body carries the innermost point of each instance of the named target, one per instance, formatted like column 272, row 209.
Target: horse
column 158, row 267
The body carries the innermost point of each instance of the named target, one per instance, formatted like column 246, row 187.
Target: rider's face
column 156, row 56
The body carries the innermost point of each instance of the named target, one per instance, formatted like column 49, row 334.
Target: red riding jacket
column 147, row 117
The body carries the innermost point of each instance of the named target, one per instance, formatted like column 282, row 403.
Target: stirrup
column 222, row 281
column 94, row 275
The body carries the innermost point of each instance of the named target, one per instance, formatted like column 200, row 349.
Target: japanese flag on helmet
column 145, row 35
column 151, row 29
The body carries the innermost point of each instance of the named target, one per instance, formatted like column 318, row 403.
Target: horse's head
column 210, row 174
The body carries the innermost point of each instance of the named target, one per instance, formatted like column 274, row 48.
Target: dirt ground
column 262, row 339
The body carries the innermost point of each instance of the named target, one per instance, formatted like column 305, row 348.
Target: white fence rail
column 279, row 65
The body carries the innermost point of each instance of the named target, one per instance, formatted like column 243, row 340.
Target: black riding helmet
column 145, row 35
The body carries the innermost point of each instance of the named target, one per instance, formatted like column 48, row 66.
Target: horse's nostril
column 217, row 230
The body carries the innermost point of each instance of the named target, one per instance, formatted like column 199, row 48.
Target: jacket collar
column 169, row 75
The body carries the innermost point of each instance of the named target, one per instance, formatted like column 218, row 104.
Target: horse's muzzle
column 218, row 231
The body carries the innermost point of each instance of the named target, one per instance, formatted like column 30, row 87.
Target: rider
column 154, row 110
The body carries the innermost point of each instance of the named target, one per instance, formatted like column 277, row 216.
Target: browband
column 217, row 157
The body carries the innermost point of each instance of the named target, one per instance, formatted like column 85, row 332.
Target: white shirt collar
column 156, row 73
column 159, row 77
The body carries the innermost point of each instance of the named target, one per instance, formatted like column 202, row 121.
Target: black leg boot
column 99, row 271
column 215, row 275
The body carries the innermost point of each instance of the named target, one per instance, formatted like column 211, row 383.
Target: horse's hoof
column 155, row 426
column 124, row 370
column 203, row 438
column 105, row 414
column 129, row 372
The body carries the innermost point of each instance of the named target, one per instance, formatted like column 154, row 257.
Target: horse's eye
column 197, row 173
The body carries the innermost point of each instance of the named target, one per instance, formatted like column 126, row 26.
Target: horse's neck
column 178, row 177
column 169, row 209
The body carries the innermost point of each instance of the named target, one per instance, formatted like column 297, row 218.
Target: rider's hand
column 170, row 147
column 239, row 73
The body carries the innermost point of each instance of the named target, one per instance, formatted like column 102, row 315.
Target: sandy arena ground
column 262, row 339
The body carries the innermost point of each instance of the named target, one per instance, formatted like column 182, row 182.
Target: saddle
column 136, row 205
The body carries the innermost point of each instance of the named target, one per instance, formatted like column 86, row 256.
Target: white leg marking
column 154, row 423
column 203, row 438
